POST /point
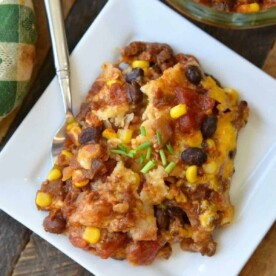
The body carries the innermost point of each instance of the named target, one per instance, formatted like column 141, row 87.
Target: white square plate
column 25, row 160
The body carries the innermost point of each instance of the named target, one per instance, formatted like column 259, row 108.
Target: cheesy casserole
column 148, row 159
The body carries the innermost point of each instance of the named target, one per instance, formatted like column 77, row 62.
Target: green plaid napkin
column 17, row 51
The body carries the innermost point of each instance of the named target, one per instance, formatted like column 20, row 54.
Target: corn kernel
column 125, row 135
column 210, row 143
column 67, row 153
column 110, row 82
column 71, row 125
column 109, row 133
column 210, row 167
column 252, row 7
column 82, row 183
column 43, row 199
column 74, row 131
column 140, row 63
column 91, row 234
column 191, row 174
column 178, row 111
column 54, row 174
column 79, row 179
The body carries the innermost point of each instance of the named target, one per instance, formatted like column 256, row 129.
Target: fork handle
column 60, row 50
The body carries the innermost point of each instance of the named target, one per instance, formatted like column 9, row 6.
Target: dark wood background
column 23, row 252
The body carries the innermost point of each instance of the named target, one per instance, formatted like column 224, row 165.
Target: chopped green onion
column 149, row 151
column 122, row 147
column 143, row 131
column 163, row 157
column 148, row 166
column 132, row 153
column 169, row 148
column 119, row 151
column 170, row 167
column 158, row 136
column 141, row 158
column 144, row 145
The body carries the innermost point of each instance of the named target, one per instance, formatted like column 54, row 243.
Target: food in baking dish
column 242, row 6
column 148, row 159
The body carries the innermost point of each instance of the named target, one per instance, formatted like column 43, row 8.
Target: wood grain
column 40, row 258
column 253, row 44
column 262, row 262
column 13, row 239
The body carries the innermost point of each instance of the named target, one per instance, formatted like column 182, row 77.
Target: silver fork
column 61, row 59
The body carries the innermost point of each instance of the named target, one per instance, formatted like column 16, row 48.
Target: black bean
column 194, row 156
column 54, row 223
column 193, row 74
column 209, row 126
column 174, row 211
column 134, row 94
column 135, row 74
column 177, row 212
column 89, row 135
column 162, row 218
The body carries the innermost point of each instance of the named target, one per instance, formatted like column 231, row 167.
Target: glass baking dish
column 214, row 17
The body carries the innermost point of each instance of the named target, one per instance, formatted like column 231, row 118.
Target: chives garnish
column 144, row 145
column 148, row 166
column 163, row 157
column 119, row 151
column 149, row 151
column 131, row 153
column 158, row 136
column 169, row 148
column 141, row 158
column 122, row 147
column 143, row 131
column 170, row 167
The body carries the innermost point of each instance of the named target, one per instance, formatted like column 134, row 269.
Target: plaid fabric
column 17, row 51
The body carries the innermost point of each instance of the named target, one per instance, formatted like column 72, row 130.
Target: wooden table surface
column 23, row 252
